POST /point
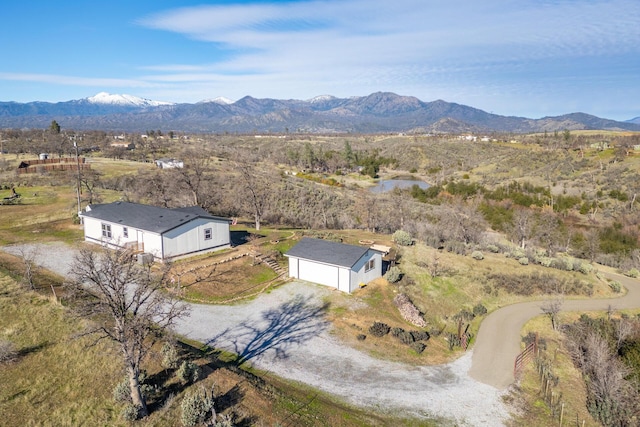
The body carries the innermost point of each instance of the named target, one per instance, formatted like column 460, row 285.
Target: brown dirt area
column 211, row 279
column 352, row 316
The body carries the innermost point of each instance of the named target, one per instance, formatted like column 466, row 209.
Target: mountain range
column 380, row 112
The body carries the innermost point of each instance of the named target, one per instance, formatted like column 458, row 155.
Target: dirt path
column 498, row 340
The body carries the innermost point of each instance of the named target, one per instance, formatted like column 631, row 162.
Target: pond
column 387, row 185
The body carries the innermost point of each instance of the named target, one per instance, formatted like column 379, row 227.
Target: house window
column 125, row 232
column 208, row 234
column 106, row 230
column 370, row 265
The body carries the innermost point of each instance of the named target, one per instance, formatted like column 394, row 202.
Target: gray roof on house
column 327, row 252
column 146, row 217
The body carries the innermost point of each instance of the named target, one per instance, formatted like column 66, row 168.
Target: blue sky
column 509, row 57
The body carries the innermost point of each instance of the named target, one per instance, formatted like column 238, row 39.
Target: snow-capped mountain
column 321, row 98
column 129, row 100
column 374, row 113
column 218, row 100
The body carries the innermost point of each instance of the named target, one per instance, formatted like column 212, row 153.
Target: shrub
column 633, row 273
column 170, row 356
column 493, row 249
column 122, row 392
column 197, row 408
column 395, row 332
column 405, row 337
column 517, row 253
column 130, row 412
column 379, row 329
column 361, row 337
column 7, row 351
column 455, row 247
column 402, row 238
column 564, row 264
column 523, row 261
column 418, row 347
column 479, row 310
column 188, row 372
column 615, row 287
column 464, row 315
column 477, row 255
column 393, row 275
column 420, row 335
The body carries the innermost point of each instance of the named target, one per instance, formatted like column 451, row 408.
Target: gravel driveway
column 284, row 332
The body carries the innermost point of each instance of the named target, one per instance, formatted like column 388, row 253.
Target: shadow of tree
column 229, row 399
column 33, row 349
column 292, row 323
column 240, row 237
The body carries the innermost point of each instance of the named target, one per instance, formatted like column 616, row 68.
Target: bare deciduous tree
column 551, row 308
column 29, row 256
column 256, row 191
column 522, row 226
column 128, row 302
column 194, row 175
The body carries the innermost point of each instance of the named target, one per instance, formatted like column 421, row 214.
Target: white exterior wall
column 189, row 237
column 152, row 243
column 93, row 233
column 182, row 240
column 315, row 272
column 293, row 267
column 92, row 230
column 345, row 280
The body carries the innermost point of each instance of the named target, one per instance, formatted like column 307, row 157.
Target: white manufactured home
column 340, row 266
column 164, row 233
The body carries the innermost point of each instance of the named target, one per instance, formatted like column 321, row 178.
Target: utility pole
column 75, row 144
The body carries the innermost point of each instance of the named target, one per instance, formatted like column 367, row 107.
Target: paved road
column 498, row 340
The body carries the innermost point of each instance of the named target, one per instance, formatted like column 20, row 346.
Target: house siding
column 358, row 273
column 189, row 237
column 93, row 233
column 183, row 240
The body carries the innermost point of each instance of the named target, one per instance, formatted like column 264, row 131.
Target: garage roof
column 327, row 252
column 145, row 217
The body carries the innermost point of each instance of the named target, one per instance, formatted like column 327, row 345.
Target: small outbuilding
column 166, row 163
column 338, row 265
column 162, row 232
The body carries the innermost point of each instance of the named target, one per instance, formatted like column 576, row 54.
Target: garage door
column 318, row 273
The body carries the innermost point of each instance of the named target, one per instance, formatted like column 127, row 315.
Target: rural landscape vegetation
column 505, row 218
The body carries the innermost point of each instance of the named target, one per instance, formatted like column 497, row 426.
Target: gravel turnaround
column 285, row 333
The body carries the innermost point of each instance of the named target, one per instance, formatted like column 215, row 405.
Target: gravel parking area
column 284, row 332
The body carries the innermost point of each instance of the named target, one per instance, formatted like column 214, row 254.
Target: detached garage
column 333, row 264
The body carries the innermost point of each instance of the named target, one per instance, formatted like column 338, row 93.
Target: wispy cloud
column 366, row 45
column 73, row 80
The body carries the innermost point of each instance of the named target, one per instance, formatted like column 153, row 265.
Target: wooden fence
column 527, row 354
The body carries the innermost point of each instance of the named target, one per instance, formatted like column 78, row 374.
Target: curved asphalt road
column 498, row 340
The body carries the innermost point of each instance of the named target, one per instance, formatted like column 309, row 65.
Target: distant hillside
column 375, row 113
